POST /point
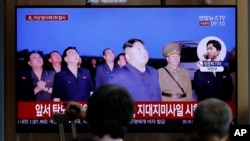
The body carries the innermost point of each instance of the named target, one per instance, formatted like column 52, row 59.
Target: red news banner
column 145, row 110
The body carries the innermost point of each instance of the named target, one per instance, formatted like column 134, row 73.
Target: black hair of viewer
column 213, row 116
column 110, row 111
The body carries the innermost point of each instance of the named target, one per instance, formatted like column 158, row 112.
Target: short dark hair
column 68, row 48
column 131, row 42
column 215, row 43
column 53, row 52
column 104, row 51
column 110, row 111
column 118, row 56
column 212, row 116
column 33, row 51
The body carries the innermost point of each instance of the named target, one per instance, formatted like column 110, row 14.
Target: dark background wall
column 1, row 71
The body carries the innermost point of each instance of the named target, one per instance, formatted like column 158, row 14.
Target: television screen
column 205, row 35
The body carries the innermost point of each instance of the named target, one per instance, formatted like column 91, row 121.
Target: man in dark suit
column 215, row 83
column 208, row 85
column 72, row 83
column 141, row 80
column 103, row 70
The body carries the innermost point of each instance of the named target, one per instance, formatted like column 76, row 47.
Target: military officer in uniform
column 175, row 81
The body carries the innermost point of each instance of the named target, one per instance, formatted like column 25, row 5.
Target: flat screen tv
column 92, row 29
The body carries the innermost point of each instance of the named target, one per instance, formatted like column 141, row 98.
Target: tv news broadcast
column 203, row 38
